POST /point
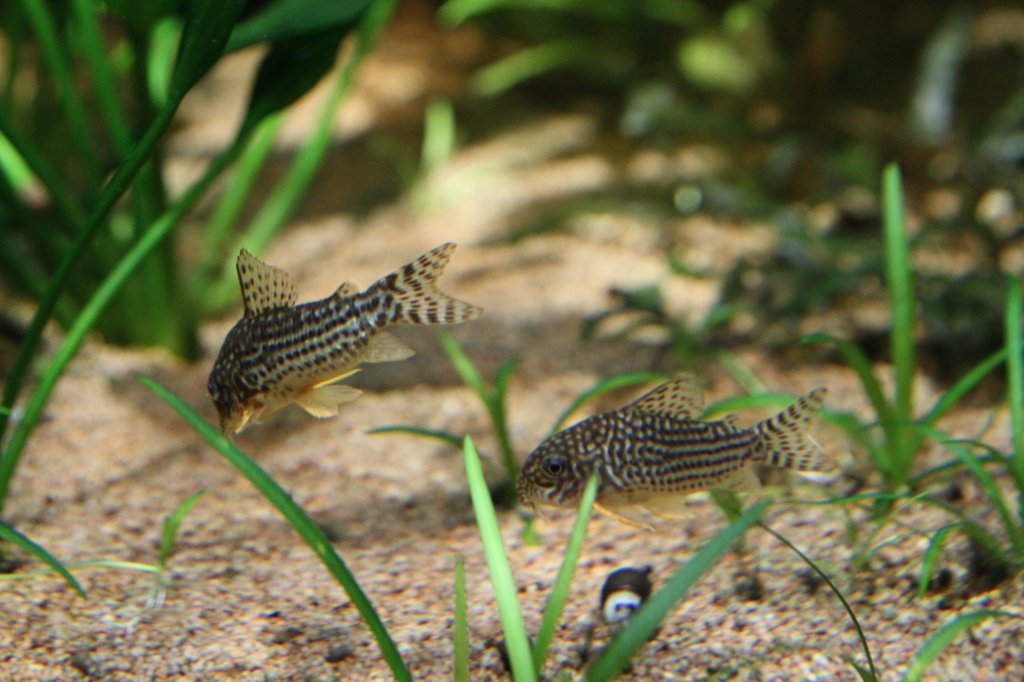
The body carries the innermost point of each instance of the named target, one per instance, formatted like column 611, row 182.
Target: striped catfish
column 281, row 353
column 653, row 452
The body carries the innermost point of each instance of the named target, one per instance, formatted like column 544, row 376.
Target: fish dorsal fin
column 347, row 289
column 681, row 397
column 264, row 287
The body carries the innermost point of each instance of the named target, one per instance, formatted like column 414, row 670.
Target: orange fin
column 628, row 514
column 326, row 400
column 681, row 397
column 668, row 506
column 264, row 287
column 784, row 442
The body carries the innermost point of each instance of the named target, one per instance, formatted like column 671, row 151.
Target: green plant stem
column 461, row 626
column 91, row 311
column 58, row 62
column 63, row 198
column 234, row 198
column 560, row 588
column 1015, row 381
column 108, row 199
column 901, row 306
column 289, row 192
column 104, row 83
column 835, row 590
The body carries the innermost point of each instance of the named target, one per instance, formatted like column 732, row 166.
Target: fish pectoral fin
column 326, row 400
column 629, row 514
column 386, row 347
column 743, row 480
column 668, row 506
column 681, row 397
column 264, row 287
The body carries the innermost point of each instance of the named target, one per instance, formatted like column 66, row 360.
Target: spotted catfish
column 653, row 452
column 281, row 353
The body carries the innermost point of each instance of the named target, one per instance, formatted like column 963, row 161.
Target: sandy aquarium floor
column 249, row 601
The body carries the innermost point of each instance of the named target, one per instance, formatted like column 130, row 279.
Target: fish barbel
column 653, row 452
column 280, row 352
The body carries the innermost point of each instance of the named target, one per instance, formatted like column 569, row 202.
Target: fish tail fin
column 417, row 298
column 783, row 439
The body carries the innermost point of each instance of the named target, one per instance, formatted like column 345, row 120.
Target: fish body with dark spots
column 281, row 353
column 652, row 453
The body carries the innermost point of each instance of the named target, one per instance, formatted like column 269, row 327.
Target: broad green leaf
column 286, row 19
column 208, row 25
column 290, row 70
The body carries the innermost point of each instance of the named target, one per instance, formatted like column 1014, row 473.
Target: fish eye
column 554, row 465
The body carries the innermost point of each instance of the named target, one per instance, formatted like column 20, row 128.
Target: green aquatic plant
column 996, row 555
column 307, row 529
column 98, row 261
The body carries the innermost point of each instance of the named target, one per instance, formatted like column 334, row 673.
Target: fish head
column 237, row 406
column 555, row 473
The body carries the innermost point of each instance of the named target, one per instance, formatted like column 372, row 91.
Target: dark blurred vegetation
column 809, row 100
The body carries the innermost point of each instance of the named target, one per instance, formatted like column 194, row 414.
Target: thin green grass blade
column 38, row 551
column 645, row 622
column 296, row 516
column 864, row 673
column 59, row 63
column 901, row 290
column 560, row 588
column 1015, row 377
column 604, row 386
column 938, row 642
column 504, row 74
column 839, row 595
column 443, row 436
column 931, row 556
column 438, row 133
column 988, row 484
column 87, row 32
column 901, row 441
column 461, row 625
column 860, row 363
column 84, row 322
column 747, row 402
column 497, row 408
column 233, row 199
column 282, row 202
column 962, row 386
column 169, row 533
column 464, row 366
column 516, row 641
column 84, row 565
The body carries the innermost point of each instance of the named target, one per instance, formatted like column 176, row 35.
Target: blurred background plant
column 806, row 102
column 89, row 93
